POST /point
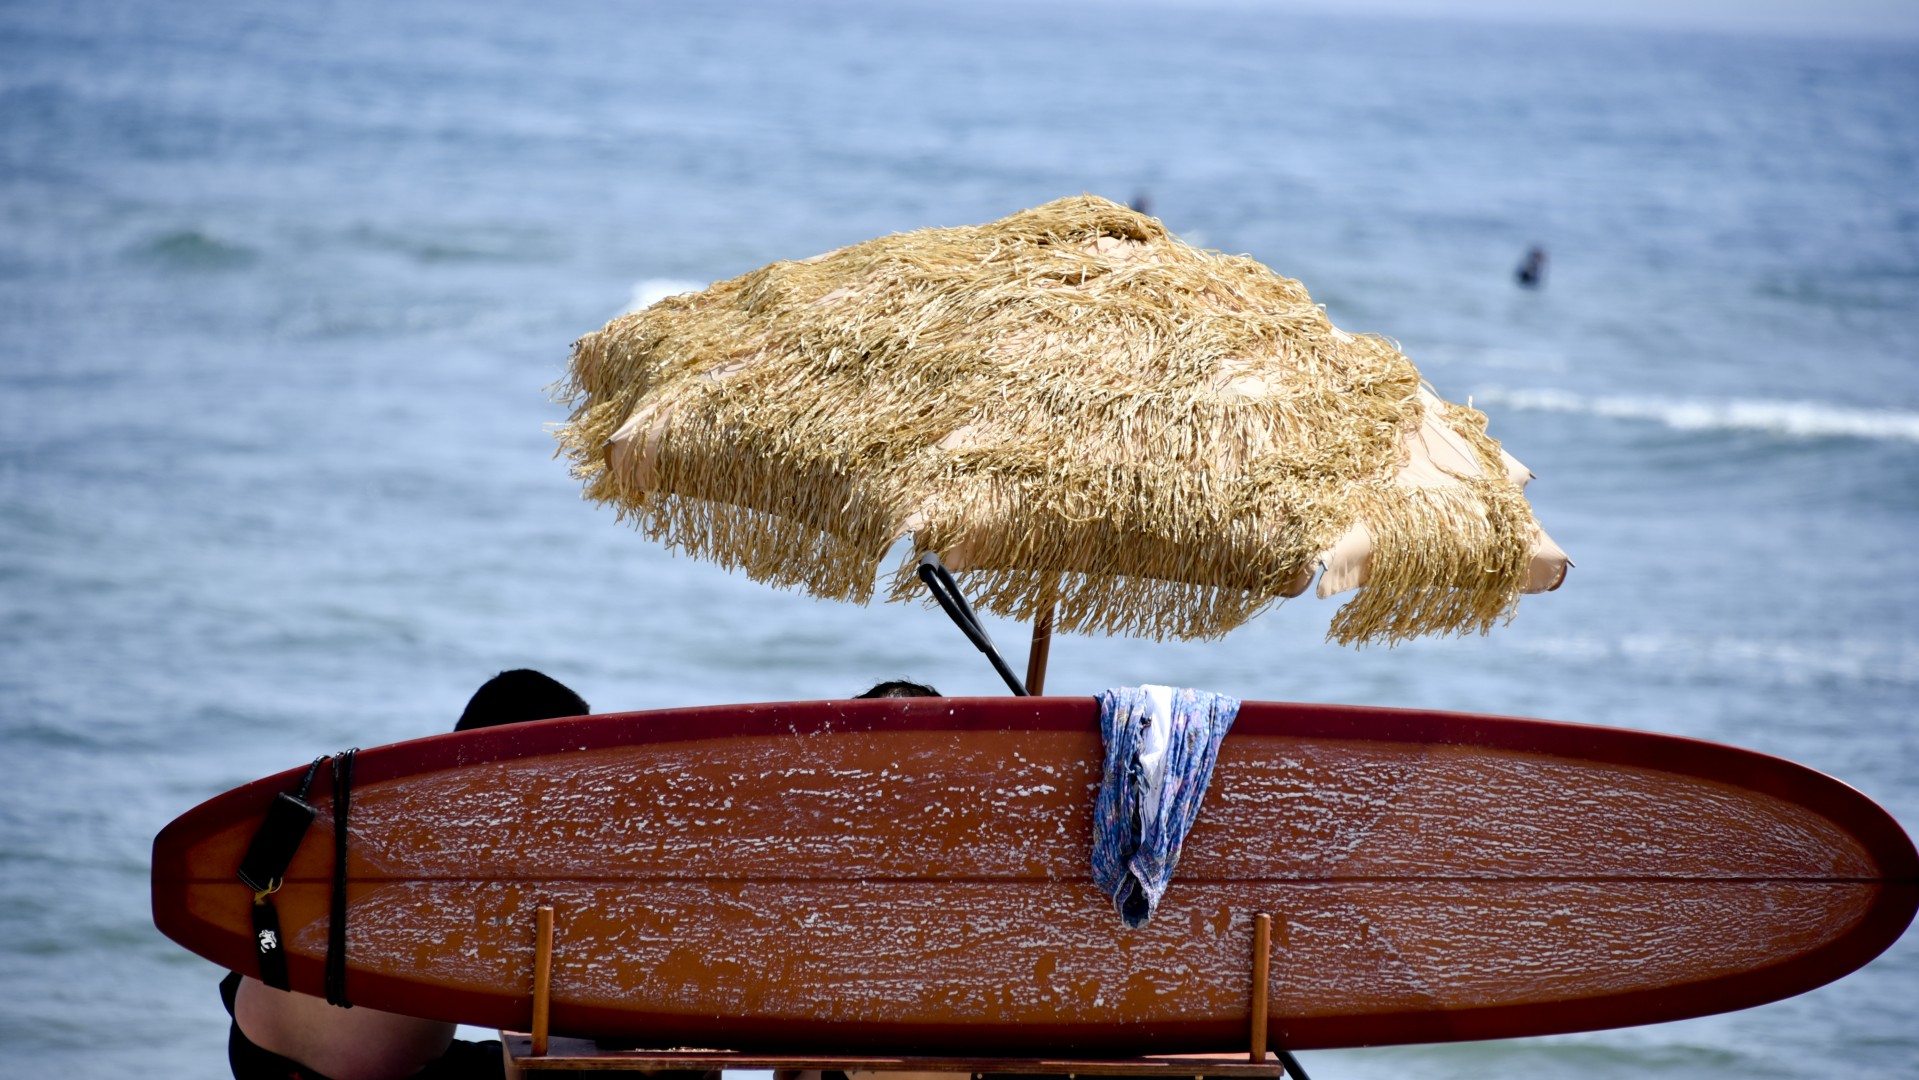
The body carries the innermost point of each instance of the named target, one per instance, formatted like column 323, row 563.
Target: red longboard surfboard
column 912, row 876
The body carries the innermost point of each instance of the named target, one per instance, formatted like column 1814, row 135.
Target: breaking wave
column 1791, row 419
column 650, row 291
column 1779, row 662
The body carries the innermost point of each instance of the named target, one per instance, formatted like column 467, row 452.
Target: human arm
column 344, row 1044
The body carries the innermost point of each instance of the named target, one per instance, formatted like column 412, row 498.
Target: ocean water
column 282, row 288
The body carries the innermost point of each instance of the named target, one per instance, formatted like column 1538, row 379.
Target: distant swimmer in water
column 1142, row 203
column 1532, row 269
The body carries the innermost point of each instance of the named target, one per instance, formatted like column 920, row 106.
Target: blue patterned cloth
column 1161, row 743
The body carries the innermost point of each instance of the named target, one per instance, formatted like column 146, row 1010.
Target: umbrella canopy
column 1079, row 413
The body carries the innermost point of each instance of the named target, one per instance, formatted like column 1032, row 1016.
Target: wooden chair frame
column 538, row 1050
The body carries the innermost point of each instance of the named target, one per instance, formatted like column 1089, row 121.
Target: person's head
column 518, row 695
column 900, row 688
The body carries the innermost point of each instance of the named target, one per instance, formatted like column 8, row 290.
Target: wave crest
column 1792, row 419
column 650, row 291
column 1778, row 662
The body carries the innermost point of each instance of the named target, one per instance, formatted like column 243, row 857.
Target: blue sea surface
column 283, row 287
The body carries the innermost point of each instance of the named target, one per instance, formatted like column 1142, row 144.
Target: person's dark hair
column 900, row 688
column 521, row 694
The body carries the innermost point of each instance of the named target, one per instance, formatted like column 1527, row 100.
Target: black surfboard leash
column 336, row 918
column 264, row 866
column 263, row 869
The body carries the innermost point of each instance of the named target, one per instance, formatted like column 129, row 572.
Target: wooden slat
column 584, row 1055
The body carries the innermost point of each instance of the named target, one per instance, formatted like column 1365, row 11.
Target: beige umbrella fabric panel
column 1078, row 412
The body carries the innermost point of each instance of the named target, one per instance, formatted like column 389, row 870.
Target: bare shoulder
column 345, row 1044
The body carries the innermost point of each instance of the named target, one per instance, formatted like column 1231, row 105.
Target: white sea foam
column 1780, row 662
column 1793, row 419
column 650, row 291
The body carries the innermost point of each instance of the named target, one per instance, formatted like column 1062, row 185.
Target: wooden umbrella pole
column 1036, row 657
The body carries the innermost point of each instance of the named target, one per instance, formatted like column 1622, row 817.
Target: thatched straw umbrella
column 1100, row 427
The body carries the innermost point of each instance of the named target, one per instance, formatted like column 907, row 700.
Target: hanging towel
column 1160, row 747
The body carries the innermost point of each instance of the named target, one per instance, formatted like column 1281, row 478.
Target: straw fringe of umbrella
column 1083, row 415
